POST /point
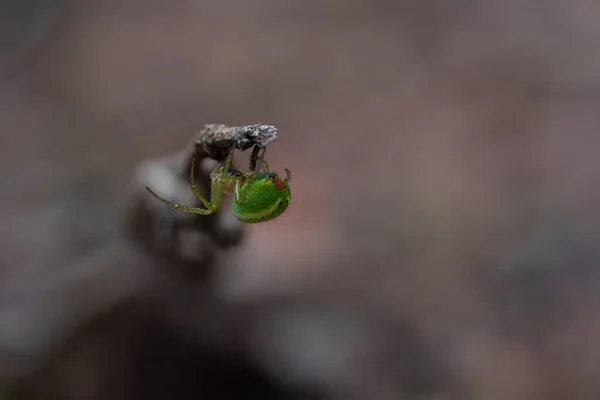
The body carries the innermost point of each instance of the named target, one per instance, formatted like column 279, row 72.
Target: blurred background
column 442, row 239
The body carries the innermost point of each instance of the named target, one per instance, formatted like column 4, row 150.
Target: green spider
column 257, row 196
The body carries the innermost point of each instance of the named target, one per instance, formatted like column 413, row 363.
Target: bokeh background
column 442, row 240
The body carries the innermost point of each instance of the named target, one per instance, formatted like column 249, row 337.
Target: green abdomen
column 262, row 200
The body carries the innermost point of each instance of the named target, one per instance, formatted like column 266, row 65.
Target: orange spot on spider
column 279, row 183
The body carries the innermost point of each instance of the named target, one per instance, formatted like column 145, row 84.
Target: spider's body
column 257, row 196
column 265, row 198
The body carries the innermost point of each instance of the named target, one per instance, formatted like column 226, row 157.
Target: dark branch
column 217, row 140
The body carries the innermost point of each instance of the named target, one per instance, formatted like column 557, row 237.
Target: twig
column 216, row 140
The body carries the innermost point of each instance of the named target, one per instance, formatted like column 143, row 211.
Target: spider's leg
column 216, row 185
column 211, row 207
column 216, row 193
column 228, row 161
column 264, row 165
column 195, row 187
column 254, row 157
column 179, row 207
column 240, row 194
column 288, row 175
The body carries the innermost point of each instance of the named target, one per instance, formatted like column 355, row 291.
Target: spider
column 257, row 196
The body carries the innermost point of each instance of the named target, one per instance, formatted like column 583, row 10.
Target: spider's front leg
column 240, row 193
column 215, row 195
column 179, row 207
column 216, row 186
column 254, row 158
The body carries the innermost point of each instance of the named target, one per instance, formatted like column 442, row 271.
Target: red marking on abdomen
column 279, row 183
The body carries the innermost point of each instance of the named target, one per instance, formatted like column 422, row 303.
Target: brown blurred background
column 442, row 240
